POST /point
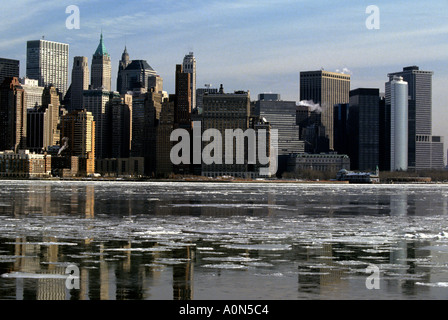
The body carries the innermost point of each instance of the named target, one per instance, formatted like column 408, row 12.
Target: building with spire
column 134, row 74
column 101, row 68
column 122, row 65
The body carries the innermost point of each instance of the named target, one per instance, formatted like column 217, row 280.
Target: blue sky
column 255, row 45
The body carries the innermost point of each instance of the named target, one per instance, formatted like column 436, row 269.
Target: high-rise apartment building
column 12, row 115
column 80, row 82
column 326, row 89
column 364, row 129
column 189, row 66
column 101, row 70
column 47, row 62
column 397, row 99
column 420, row 116
column 9, row 68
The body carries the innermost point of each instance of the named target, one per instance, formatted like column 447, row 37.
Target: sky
column 255, row 45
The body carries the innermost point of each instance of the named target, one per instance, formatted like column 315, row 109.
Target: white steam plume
column 314, row 107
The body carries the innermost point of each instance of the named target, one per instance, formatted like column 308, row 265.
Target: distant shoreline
column 242, row 181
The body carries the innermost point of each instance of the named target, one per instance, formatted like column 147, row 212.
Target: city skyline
column 248, row 45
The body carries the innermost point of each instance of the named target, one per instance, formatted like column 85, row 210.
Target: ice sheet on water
column 259, row 247
column 436, row 284
column 229, row 266
column 27, row 275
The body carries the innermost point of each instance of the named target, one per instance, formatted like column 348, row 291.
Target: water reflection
column 187, row 242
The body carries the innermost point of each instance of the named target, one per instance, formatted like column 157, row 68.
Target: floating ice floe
column 437, row 284
column 27, row 275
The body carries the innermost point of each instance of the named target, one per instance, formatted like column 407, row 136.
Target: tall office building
column 164, row 166
column 12, row 115
column 420, row 116
column 78, row 130
column 397, row 99
column 101, row 68
column 122, row 65
column 182, row 103
column 341, row 128
column 223, row 111
column 33, row 93
column 281, row 115
column 97, row 102
column 189, row 66
column 326, row 89
column 120, row 126
column 50, row 101
column 364, row 129
column 200, row 92
column 47, row 62
column 134, row 74
column 80, row 82
column 9, row 68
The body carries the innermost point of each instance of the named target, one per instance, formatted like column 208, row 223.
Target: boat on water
column 358, row 177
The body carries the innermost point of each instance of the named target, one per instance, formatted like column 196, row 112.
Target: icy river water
column 217, row 241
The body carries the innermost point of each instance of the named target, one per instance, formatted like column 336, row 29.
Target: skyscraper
column 420, row 116
column 182, row 104
column 12, row 115
column 9, row 68
column 281, row 115
column 120, row 126
column 164, row 166
column 122, row 65
column 47, row 62
column 182, row 109
column 189, row 66
column 326, row 89
column 222, row 111
column 134, row 74
column 97, row 102
column 33, row 93
column 364, row 128
column 101, row 68
column 50, row 101
column 78, row 132
column 80, row 81
column 397, row 98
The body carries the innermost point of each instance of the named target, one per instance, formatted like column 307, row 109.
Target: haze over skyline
column 255, row 45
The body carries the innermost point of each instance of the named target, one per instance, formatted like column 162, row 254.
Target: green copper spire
column 101, row 50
